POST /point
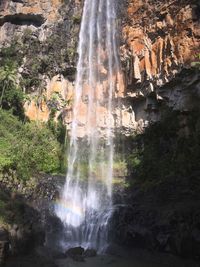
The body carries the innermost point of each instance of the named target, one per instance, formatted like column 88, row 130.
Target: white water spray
column 85, row 206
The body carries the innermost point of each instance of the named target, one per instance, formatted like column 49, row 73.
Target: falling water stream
column 85, row 205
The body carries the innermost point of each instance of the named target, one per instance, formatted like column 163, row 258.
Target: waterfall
column 85, row 205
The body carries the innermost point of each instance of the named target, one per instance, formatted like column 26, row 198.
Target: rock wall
column 161, row 37
column 26, row 216
column 160, row 219
column 45, row 37
column 158, row 40
column 4, row 245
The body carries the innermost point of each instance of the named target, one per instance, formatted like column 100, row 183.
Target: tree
column 11, row 95
column 8, row 80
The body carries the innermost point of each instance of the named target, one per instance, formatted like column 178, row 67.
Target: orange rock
column 172, row 34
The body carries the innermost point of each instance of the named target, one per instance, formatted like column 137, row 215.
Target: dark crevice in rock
column 17, row 1
column 23, row 19
column 69, row 73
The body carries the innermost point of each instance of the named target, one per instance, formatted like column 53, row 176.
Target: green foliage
column 11, row 96
column 27, row 148
column 59, row 131
column 133, row 160
column 77, row 19
column 40, row 149
column 169, row 148
column 71, row 53
column 12, row 53
column 56, row 103
column 196, row 64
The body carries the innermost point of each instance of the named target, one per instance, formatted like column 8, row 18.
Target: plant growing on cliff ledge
column 7, row 80
column 77, row 19
column 11, row 96
column 196, row 64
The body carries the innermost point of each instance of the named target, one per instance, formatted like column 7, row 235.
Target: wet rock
column 90, row 253
column 24, row 238
column 74, row 252
column 3, row 234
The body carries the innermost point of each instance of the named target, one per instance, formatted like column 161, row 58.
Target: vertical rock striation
column 160, row 39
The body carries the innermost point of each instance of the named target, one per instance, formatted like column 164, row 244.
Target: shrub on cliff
column 11, row 96
column 196, row 64
column 27, row 148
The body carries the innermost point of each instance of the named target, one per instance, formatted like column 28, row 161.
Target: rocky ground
column 136, row 258
column 142, row 260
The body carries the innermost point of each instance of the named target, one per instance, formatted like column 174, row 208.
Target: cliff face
column 40, row 17
column 159, row 40
column 44, row 37
column 160, row 37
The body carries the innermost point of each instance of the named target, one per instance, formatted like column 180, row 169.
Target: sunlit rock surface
column 160, row 39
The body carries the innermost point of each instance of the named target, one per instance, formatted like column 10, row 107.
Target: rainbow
column 69, row 208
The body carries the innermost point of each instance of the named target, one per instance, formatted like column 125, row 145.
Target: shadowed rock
column 23, row 19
